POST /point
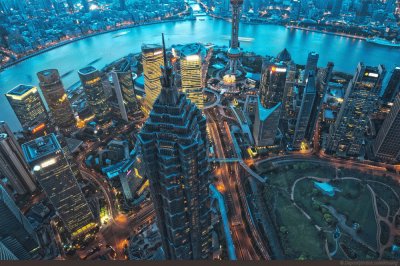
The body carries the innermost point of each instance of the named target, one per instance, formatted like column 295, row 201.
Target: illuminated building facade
column 57, row 100
column 12, row 162
column 16, row 233
column 361, row 99
column 27, row 105
column 152, row 59
column 173, row 144
column 387, row 143
column 304, row 123
column 96, row 98
column 54, row 174
column 192, row 72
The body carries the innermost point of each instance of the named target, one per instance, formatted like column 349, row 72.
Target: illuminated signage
column 278, row 69
column 38, row 128
column 48, row 163
column 373, row 75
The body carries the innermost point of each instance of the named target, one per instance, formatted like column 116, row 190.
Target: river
column 268, row 40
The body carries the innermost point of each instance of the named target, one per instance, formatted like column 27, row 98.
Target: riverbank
column 327, row 32
column 3, row 67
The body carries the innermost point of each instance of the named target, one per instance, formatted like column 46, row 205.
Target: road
column 243, row 243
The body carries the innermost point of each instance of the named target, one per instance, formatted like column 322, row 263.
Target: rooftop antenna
column 164, row 52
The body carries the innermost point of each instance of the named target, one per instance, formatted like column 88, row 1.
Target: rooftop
column 284, row 56
column 192, row 49
column 264, row 113
column 87, row 70
column 20, row 90
column 151, row 47
column 40, row 147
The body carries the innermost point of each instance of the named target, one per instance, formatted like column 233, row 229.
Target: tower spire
column 164, row 51
column 169, row 92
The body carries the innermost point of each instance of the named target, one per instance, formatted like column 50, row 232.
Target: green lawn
column 298, row 235
column 302, row 237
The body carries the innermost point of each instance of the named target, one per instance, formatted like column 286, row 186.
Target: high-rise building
column 266, row 124
column 225, row 6
column 173, row 143
column 234, row 51
column 54, row 174
column 152, row 59
column 295, row 10
column 12, row 163
column 337, row 7
column 6, row 254
column 393, row 86
column 272, row 87
column 304, row 125
column 122, row 4
column 70, row 4
column 16, row 233
column 387, row 143
column 361, row 99
column 57, row 100
column 95, row 96
column 27, row 105
column 85, row 5
column 125, row 93
column 391, row 6
column 312, row 65
column 192, row 74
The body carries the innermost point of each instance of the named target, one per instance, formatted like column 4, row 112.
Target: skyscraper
column 273, row 82
column 361, row 98
column 234, row 52
column 12, row 163
column 393, row 86
column 295, row 10
column 27, row 105
column 125, row 92
column 152, row 59
column 387, row 143
column 191, row 66
column 173, row 143
column 272, row 86
column 55, row 176
column 304, row 125
column 312, row 65
column 391, row 6
column 57, row 100
column 266, row 123
column 337, row 7
column 16, row 233
column 85, row 5
column 95, row 96
column 6, row 254
column 122, row 4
